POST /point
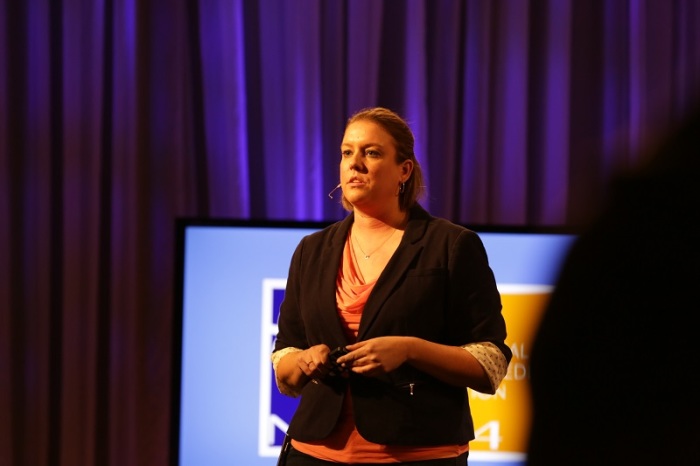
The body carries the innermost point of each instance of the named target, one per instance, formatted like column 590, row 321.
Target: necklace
column 368, row 255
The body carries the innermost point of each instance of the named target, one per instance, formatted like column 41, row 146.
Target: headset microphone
column 330, row 194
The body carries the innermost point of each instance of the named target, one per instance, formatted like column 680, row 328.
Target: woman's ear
column 406, row 169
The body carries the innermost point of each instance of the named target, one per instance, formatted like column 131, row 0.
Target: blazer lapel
column 332, row 254
column 396, row 269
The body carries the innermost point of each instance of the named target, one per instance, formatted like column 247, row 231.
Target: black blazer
column 437, row 286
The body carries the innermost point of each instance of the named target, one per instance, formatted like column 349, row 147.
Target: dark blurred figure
column 614, row 366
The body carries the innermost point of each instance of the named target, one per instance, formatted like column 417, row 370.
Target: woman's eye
column 346, row 153
column 372, row 153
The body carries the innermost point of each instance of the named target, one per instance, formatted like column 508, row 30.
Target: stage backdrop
column 118, row 116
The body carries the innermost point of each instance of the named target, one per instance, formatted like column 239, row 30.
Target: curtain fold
column 117, row 117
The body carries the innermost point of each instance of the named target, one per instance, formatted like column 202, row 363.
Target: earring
column 402, row 187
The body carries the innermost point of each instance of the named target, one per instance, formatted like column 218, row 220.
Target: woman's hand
column 314, row 362
column 451, row 364
column 376, row 356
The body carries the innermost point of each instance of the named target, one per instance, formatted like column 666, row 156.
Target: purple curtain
column 118, row 116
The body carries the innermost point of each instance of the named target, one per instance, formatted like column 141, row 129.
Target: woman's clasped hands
column 373, row 357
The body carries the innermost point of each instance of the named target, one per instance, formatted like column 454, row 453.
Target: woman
column 412, row 300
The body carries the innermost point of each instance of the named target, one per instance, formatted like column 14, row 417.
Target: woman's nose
column 355, row 162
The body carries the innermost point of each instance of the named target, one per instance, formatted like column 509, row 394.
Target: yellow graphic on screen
column 502, row 421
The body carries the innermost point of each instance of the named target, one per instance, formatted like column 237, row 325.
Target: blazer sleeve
column 291, row 331
column 474, row 300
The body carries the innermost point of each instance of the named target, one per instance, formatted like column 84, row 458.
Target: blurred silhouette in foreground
column 614, row 368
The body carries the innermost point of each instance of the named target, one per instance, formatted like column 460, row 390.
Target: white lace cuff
column 276, row 357
column 491, row 359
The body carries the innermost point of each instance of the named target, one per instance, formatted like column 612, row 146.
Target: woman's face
column 369, row 174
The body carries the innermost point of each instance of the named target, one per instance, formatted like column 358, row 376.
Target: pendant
column 366, row 257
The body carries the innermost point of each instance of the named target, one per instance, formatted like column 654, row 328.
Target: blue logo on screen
column 276, row 410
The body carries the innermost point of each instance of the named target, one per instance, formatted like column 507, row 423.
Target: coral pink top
column 345, row 444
